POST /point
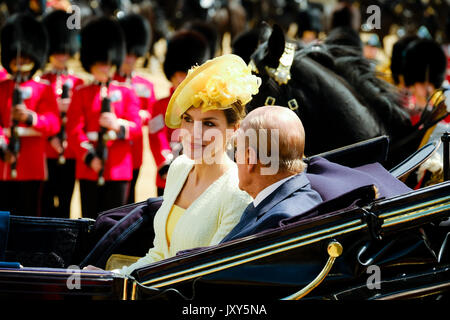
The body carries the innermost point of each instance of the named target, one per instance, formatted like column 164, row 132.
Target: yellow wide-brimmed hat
column 215, row 85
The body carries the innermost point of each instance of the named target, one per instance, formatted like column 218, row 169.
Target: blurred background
column 380, row 25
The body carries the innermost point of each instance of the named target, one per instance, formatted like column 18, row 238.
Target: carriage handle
column 334, row 250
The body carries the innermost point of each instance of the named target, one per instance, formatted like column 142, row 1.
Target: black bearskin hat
column 102, row 40
column 208, row 30
column 111, row 7
column 185, row 49
column 447, row 29
column 246, row 43
column 35, row 8
column 137, row 33
column 344, row 36
column 24, row 33
column 345, row 15
column 61, row 38
column 309, row 20
column 398, row 52
column 425, row 60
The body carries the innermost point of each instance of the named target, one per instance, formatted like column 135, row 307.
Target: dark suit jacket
column 292, row 197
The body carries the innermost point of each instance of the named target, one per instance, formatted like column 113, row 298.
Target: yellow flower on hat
column 215, row 85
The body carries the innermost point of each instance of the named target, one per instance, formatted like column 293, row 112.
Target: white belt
column 23, row 132
column 93, row 135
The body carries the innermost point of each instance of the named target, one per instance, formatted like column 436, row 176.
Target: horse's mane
column 337, row 93
column 373, row 92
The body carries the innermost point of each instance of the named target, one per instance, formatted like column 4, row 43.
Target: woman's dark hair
column 235, row 114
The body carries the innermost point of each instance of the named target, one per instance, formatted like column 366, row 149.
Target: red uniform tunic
column 160, row 135
column 3, row 74
column 83, row 126
column 145, row 91
column 38, row 96
column 73, row 82
column 446, row 49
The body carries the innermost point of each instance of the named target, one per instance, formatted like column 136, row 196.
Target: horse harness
column 281, row 75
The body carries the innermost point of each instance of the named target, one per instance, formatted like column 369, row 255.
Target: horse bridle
column 281, row 74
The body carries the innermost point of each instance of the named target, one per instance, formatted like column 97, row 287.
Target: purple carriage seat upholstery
column 332, row 180
column 342, row 187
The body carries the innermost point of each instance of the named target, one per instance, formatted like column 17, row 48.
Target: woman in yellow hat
column 202, row 199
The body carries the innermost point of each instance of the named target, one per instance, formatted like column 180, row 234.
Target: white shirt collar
column 268, row 190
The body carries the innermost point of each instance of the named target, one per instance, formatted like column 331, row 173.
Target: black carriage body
column 49, row 251
column 411, row 255
column 48, row 242
column 274, row 264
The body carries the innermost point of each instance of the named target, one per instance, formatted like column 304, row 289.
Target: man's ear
column 251, row 159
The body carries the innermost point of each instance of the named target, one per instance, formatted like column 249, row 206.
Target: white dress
column 207, row 220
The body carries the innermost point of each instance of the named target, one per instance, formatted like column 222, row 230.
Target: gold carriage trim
column 389, row 219
column 334, row 251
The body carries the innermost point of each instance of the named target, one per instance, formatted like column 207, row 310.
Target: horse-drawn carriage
column 354, row 246
column 357, row 244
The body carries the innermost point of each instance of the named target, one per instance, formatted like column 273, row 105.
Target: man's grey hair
column 280, row 132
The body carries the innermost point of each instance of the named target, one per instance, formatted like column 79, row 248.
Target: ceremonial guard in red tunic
column 28, row 115
column 424, row 66
column 424, row 69
column 137, row 37
column 3, row 74
column 102, row 120
column 63, row 44
column 446, row 48
column 184, row 50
